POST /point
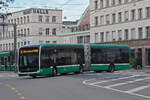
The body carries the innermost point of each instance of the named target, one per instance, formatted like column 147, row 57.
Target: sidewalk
column 144, row 70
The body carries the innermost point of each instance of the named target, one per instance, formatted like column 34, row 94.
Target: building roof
column 85, row 18
column 36, row 8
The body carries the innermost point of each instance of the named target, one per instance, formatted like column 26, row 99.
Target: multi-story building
column 67, row 26
column 122, row 22
column 34, row 26
column 79, row 32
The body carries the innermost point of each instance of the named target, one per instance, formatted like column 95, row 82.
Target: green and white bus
column 54, row 59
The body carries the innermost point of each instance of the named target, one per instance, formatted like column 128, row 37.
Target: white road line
column 113, row 80
column 134, row 94
column 86, row 81
column 138, row 89
column 128, row 82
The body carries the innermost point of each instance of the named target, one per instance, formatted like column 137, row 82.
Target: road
column 89, row 86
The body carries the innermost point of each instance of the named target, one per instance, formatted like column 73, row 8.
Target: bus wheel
column 54, row 73
column 111, row 68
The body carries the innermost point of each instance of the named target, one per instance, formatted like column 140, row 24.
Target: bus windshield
column 28, row 60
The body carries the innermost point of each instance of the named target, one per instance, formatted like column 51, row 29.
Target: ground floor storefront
column 140, row 49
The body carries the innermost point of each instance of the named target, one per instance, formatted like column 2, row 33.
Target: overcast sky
column 72, row 9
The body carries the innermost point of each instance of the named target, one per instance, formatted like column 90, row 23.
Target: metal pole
column 15, row 44
column 3, row 26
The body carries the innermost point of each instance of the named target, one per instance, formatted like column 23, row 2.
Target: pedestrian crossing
column 133, row 85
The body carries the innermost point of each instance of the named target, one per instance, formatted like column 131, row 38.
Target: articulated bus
column 54, row 59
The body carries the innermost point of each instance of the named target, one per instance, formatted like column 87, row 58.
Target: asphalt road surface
column 89, row 86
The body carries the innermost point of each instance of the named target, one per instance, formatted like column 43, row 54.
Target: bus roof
column 61, row 44
column 110, row 45
column 4, row 54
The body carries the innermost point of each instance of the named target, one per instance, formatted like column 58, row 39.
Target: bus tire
column 54, row 73
column 111, row 68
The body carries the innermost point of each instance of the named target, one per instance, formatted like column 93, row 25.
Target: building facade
column 78, row 31
column 122, row 22
column 34, row 26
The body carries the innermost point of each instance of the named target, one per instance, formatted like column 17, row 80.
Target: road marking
column 130, row 92
column 113, row 80
column 19, row 94
column 22, row 98
column 128, row 82
column 13, row 89
column 85, row 82
column 138, row 89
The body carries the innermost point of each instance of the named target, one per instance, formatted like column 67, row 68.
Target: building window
column 119, row 35
column 119, row 17
column 96, row 21
column 40, row 31
column 148, row 32
column 113, row 18
column 18, row 20
column 113, row 35
column 87, row 39
column 140, row 13
column 101, row 20
column 126, row 34
column 24, row 32
column 15, row 21
column 147, row 53
column 28, row 19
column 101, row 3
column 140, row 31
column 126, row 15
column 96, row 37
column 119, row 2
column 107, row 3
column 80, row 39
column 133, row 33
column 148, row 12
column 21, row 43
column 21, row 20
column 107, row 19
column 96, row 4
column 107, row 36
column 133, row 17
column 102, row 36
column 40, row 18
column 24, row 19
column 21, row 32
column 47, row 19
column 53, row 19
column 28, row 30
column 113, row 2
column 47, row 31
column 54, row 31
